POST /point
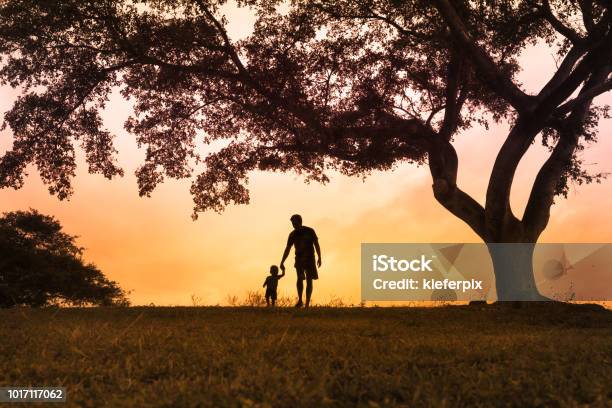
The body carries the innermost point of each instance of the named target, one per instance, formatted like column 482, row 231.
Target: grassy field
column 450, row 356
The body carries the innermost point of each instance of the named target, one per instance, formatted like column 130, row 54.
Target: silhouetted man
column 305, row 241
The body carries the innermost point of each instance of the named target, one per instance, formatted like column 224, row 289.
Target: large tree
column 41, row 265
column 348, row 85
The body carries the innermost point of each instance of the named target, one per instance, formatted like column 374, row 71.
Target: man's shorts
column 306, row 270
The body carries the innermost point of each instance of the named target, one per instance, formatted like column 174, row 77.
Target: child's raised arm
column 282, row 274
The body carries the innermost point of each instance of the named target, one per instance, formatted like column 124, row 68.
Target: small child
column 271, row 283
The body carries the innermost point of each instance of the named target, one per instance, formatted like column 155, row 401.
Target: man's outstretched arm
column 286, row 253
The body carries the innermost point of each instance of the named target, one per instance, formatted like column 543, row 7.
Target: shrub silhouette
column 40, row 265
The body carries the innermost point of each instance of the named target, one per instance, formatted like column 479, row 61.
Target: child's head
column 274, row 270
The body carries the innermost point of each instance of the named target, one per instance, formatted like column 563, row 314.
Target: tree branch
column 542, row 193
column 586, row 6
column 497, row 208
column 558, row 25
column 394, row 24
column 537, row 211
column 333, row 11
column 226, row 41
column 499, row 82
column 598, row 56
column 564, row 70
column 443, row 165
column 585, row 96
column 454, row 99
column 306, row 115
column 434, row 111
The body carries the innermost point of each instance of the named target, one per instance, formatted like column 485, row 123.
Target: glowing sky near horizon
column 152, row 247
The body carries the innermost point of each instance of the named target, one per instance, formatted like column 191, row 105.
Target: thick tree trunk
column 513, row 268
column 510, row 243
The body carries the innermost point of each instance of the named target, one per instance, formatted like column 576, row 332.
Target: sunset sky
column 152, row 247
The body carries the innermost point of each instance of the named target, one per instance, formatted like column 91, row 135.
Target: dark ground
column 553, row 355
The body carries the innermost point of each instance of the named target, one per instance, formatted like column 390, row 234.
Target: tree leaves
column 350, row 86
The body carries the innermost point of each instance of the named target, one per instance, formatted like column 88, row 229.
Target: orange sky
column 151, row 245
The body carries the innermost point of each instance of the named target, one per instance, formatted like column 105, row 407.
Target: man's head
column 274, row 270
column 296, row 220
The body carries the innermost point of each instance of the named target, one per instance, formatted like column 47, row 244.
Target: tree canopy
column 41, row 265
column 347, row 85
